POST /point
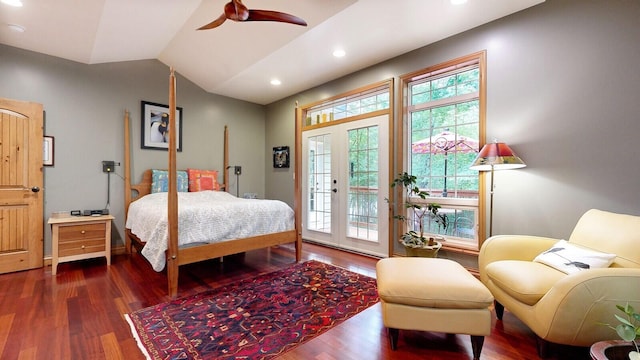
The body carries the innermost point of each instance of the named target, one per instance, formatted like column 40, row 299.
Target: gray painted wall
column 84, row 107
column 562, row 92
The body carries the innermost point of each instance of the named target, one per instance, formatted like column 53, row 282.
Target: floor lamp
column 495, row 156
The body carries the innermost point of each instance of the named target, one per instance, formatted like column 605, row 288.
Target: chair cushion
column 570, row 258
column 525, row 281
column 431, row 283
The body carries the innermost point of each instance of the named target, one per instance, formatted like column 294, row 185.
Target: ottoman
column 431, row 294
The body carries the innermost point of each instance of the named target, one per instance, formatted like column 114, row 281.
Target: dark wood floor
column 78, row 314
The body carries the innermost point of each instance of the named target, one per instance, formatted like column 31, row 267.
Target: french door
column 345, row 179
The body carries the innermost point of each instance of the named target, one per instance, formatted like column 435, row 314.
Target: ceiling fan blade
column 215, row 23
column 267, row 15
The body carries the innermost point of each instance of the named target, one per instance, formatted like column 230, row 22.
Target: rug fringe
column 137, row 337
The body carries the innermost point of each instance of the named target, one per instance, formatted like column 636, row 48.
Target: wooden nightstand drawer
column 78, row 238
column 70, row 248
column 81, row 232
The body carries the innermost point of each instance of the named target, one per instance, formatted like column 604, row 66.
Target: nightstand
column 80, row 237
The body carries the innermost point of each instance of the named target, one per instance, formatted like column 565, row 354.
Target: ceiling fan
column 235, row 10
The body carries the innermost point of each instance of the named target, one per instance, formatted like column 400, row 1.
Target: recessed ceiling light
column 16, row 3
column 275, row 82
column 339, row 53
column 16, row 28
column 458, row 2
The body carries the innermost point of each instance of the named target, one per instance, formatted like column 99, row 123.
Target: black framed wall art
column 281, row 157
column 155, row 126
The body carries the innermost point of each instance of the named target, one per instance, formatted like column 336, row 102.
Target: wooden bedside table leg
column 54, row 249
column 107, row 245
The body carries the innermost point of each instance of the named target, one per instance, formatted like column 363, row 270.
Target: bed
column 231, row 242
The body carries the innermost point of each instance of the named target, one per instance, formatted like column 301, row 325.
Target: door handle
column 334, row 190
column 35, row 189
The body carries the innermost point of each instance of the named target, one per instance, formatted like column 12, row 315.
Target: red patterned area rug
column 257, row 318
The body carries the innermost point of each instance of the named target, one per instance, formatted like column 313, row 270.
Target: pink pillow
column 200, row 180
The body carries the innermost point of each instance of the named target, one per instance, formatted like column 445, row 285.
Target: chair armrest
column 512, row 247
column 620, row 284
column 576, row 305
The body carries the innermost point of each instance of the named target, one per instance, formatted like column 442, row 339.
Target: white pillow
column 570, row 258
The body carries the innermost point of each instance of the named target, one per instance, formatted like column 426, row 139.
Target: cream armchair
column 566, row 308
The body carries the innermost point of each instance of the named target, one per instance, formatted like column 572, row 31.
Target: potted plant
column 628, row 330
column 416, row 243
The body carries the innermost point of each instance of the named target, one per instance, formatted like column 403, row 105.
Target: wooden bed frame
column 180, row 256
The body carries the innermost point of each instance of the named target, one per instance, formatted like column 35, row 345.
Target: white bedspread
column 204, row 217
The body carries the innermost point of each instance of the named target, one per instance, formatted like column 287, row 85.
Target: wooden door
column 21, row 198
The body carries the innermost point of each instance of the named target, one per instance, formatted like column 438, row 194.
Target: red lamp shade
column 498, row 156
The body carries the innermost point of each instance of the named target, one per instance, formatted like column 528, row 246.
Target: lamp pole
column 495, row 156
column 491, row 205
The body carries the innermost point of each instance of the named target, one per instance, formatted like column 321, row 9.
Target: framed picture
column 47, row 151
column 281, row 157
column 155, row 126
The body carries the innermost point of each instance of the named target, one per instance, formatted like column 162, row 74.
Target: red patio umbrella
column 444, row 143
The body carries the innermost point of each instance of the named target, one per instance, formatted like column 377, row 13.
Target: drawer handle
column 83, row 247
column 82, row 232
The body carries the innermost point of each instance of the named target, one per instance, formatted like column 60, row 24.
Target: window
column 444, row 112
column 359, row 103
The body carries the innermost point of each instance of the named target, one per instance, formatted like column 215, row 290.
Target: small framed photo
column 281, row 157
column 155, row 126
column 47, row 151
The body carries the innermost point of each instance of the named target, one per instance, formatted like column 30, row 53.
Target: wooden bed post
column 172, row 201
column 297, row 178
column 225, row 159
column 127, row 177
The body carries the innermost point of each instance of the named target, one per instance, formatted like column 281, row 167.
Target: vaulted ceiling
column 239, row 59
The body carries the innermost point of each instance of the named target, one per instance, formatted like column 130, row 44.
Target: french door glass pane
column 362, row 212
column 319, row 195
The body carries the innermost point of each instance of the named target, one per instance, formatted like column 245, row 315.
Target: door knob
column 35, row 189
column 335, row 190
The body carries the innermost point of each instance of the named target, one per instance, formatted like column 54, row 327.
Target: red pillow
column 200, row 180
